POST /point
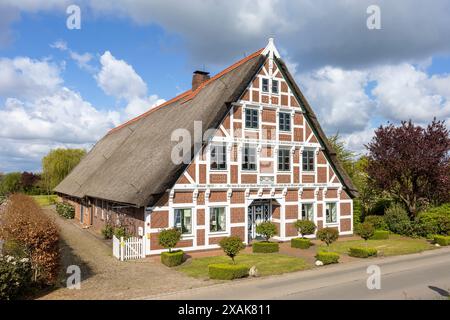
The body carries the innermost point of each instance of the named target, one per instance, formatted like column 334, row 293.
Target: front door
column 258, row 211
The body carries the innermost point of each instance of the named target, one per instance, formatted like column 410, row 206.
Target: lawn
column 45, row 200
column 395, row 245
column 266, row 263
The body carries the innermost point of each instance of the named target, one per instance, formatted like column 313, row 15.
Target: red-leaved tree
column 411, row 163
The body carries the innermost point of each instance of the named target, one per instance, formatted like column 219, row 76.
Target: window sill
column 218, row 233
column 218, row 170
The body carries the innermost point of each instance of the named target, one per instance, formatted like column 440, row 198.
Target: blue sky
column 66, row 88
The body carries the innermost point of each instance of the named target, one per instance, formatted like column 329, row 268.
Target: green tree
column 58, row 163
column 345, row 156
column 267, row 229
column 11, row 183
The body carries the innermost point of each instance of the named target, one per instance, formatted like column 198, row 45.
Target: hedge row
column 327, row 257
column 172, row 259
column 380, row 235
column 225, row 271
column 442, row 240
column 300, row 243
column 265, row 247
column 362, row 252
column 24, row 222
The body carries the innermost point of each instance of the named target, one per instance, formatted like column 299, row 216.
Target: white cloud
column 406, row 92
column 27, row 78
column 82, row 59
column 335, row 94
column 119, row 79
column 39, row 113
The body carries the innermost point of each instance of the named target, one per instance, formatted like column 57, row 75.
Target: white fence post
column 122, row 246
column 131, row 248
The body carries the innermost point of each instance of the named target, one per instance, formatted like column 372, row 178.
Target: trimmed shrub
column 380, row 235
column 305, row 227
column 267, row 229
column 231, row 246
column 15, row 276
column 365, row 230
column 173, row 258
column 65, row 210
column 433, row 221
column 397, row 220
column 25, row 222
column 378, row 222
column 108, row 231
column 362, row 252
column 328, row 235
column 442, row 240
column 301, row 243
column 225, row 271
column 327, row 257
column 265, row 247
column 169, row 238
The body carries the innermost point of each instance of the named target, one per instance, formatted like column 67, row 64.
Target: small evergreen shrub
column 305, row 227
column 15, row 276
column 362, row 252
column 267, row 229
column 365, row 230
column 108, row 231
column 380, row 235
column 397, row 220
column 328, row 235
column 224, row 271
column 65, row 210
column 378, row 222
column 168, row 238
column 327, row 257
column 442, row 240
column 265, row 247
column 231, row 246
column 172, row 258
column 300, row 243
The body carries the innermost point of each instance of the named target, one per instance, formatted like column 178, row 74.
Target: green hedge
column 362, row 252
column 265, row 247
column 327, row 257
column 442, row 240
column 172, row 259
column 301, row 243
column 380, row 235
column 225, row 271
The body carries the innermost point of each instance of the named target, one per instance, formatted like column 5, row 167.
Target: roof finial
column 271, row 49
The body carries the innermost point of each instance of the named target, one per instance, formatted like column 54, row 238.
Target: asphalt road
column 418, row 276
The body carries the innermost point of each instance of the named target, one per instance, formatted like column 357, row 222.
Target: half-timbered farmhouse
column 266, row 159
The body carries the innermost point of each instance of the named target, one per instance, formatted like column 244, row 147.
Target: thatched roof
column 132, row 163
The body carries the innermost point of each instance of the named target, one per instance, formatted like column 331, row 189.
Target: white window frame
column 193, row 220
column 290, row 161
column 227, row 220
column 222, row 145
column 254, row 146
column 336, row 203
column 245, row 119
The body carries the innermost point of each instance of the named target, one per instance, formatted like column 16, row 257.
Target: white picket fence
column 131, row 248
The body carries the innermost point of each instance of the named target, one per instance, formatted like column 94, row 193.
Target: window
column 249, row 158
column 217, row 219
column 307, row 211
column 284, row 121
column 218, row 157
column 284, row 160
column 183, row 220
column 308, row 160
column 331, row 212
column 265, row 85
column 275, row 86
column 251, row 118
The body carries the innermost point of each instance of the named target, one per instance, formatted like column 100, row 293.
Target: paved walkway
column 103, row 276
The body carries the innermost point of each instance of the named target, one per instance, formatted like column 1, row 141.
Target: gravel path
column 103, row 276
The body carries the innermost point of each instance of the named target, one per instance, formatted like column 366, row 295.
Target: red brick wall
column 237, row 215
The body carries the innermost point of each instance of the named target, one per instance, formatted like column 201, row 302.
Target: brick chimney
column 198, row 78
